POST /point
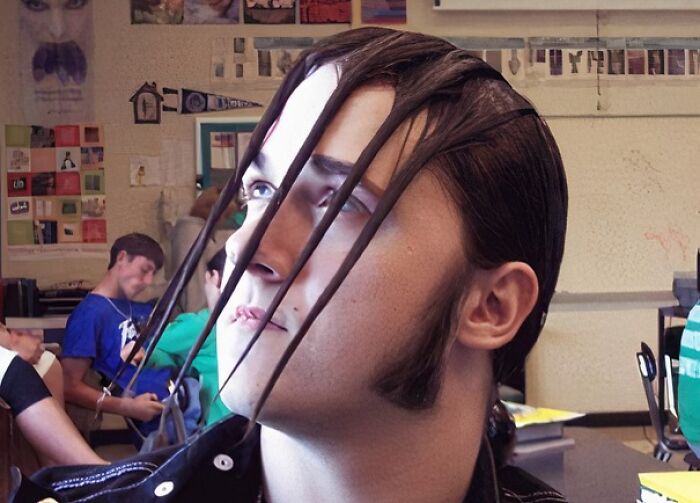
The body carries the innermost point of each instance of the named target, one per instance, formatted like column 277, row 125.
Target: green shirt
column 172, row 348
column 689, row 377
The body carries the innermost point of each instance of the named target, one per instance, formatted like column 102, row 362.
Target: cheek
column 75, row 23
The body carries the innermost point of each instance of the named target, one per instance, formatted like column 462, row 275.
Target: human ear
column 496, row 305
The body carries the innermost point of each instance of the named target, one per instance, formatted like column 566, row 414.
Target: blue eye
column 75, row 4
column 35, row 5
column 260, row 190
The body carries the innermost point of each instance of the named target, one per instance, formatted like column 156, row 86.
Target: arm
column 53, row 378
column 143, row 407
column 60, row 443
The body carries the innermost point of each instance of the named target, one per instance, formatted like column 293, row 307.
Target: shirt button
column 164, row 488
column 223, row 462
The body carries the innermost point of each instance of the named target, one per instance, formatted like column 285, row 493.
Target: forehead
column 348, row 133
column 142, row 262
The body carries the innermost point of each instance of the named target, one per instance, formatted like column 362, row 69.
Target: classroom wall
column 630, row 149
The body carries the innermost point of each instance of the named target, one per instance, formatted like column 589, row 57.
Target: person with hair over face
column 106, row 321
column 406, row 213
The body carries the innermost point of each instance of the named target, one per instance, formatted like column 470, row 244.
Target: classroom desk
column 598, row 468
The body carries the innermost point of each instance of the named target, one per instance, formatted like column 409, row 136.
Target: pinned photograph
column 264, row 64
column 655, row 58
column 157, row 12
column 68, row 159
column 596, row 62
column 67, row 136
column 20, row 232
column 44, row 184
column 93, row 206
column 383, row 11
column 92, row 181
column 44, row 207
column 46, row 232
column 90, row 135
column 538, row 64
column 694, row 62
column 147, row 104
column 94, row 231
column 70, row 208
column 43, row 159
column 513, row 67
column 92, row 156
column 555, row 62
column 676, row 61
column 211, row 12
column 636, row 62
column 18, row 136
column 616, row 62
column 269, row 11
column 493, row 58
column 325, row 11
column 19, row 208
column 42, row 137
column 19, row 184
column 68, row 184
column 69, row 232
column 574, row 62
column 144, row 170
column 18, row 159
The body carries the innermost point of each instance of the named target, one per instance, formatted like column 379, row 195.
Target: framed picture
column 220, row 144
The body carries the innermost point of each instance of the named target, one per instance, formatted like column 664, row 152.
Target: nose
column 148, row 278
column 280, row 246
column 57, row 24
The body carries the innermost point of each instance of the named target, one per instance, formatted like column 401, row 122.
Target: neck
column 383, row 455
column 109, row 287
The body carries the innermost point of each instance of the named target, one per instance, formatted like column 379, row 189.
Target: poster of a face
column 56, row 47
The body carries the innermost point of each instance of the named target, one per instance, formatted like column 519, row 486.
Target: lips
column 251, row 316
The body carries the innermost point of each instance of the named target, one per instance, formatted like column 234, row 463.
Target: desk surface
column 599, row 468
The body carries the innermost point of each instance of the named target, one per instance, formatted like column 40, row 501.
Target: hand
column 126, row 350
column 143, row 407
column 212, row 283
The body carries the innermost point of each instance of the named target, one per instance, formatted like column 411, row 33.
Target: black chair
column 665, row 444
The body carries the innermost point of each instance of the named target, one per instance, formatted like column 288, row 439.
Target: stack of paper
column 670, row 487
column 539, row 430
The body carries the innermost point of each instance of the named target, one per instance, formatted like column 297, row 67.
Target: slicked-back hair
column 492, row 152
column 136, row 244
column 494, row 155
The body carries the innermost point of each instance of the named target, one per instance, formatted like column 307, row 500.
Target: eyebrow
column 327, row 165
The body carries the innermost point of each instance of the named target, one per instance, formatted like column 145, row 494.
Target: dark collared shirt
column 213, row 466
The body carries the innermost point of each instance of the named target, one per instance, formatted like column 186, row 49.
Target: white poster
column 56, row 58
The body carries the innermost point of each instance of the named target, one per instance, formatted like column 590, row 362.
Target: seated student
column 180, row 336
column 379, row 391
column 29, row 345
column 40, row 418
column 103, row 323
column 689, row 380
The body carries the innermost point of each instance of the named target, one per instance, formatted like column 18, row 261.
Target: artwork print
column 56, row 58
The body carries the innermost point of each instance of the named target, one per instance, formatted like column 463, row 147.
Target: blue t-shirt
column 98, row 330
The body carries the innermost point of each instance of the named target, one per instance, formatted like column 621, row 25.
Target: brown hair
column 491, row 150
column 137, row 244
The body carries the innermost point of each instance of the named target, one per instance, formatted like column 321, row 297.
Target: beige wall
column 632, row 171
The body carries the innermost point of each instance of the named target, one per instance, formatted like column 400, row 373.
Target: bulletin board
column 54, row 184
